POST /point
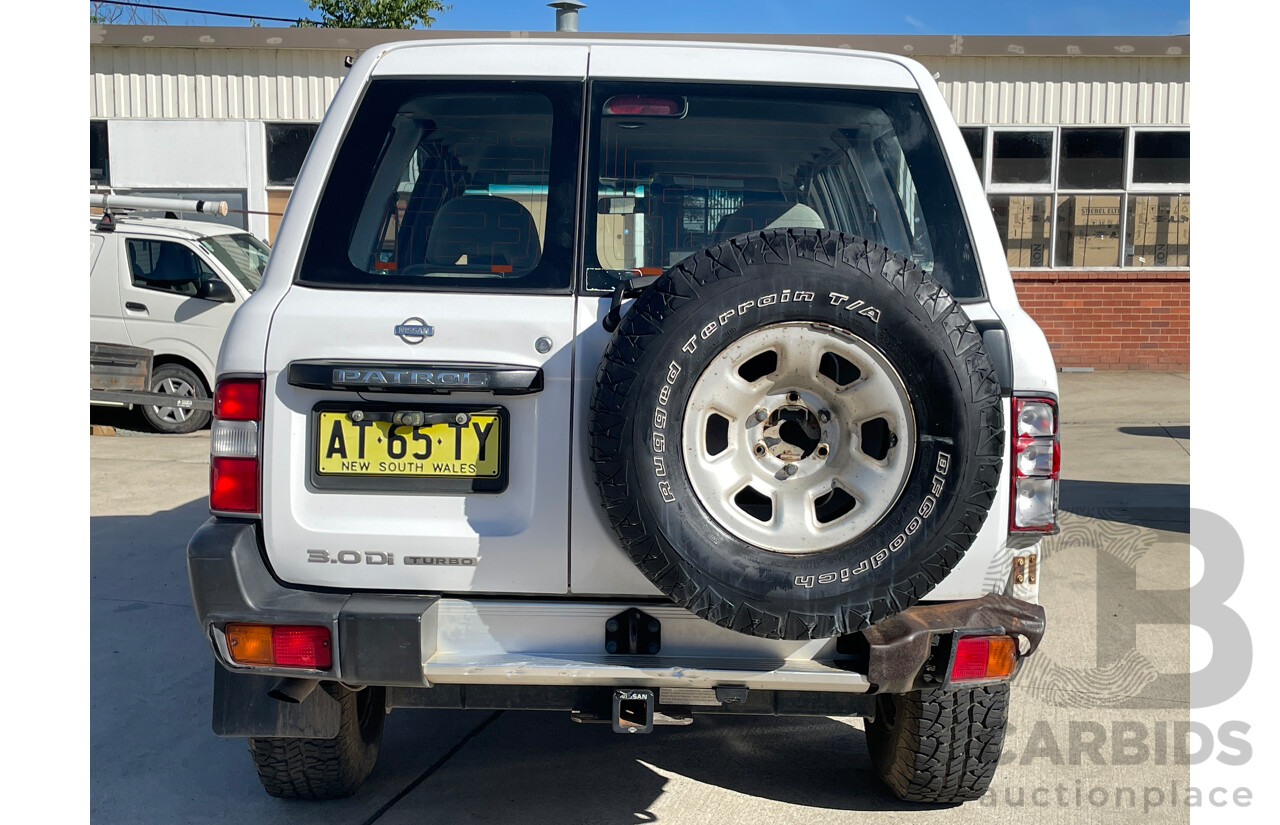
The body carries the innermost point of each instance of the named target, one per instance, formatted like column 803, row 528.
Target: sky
column 1027, row 17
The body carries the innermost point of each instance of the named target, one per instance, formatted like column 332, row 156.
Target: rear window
column 682, row 167
column 451, row 186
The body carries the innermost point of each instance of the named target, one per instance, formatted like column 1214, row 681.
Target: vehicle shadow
column 1141, row 504
column 541, row 769
column 154, row 757
column 1158, row 431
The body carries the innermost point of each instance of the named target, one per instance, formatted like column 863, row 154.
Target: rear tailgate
column 475, row 504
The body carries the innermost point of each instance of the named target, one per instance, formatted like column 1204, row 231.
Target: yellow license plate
column 380, row 448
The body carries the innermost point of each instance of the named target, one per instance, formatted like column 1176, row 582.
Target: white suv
column 638, row 380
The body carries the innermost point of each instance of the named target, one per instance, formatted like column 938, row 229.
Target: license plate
column 384, row 450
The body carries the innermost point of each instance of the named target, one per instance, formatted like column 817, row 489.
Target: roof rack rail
column 109, row 204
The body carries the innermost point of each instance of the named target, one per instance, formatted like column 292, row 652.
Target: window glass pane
column 1088, row 230
column 1021, row 157
column 449, row 186
column 741, row 160
column 974, row 138
column 1023, row 222
column 1161, row 157
column 1091, row 159
column 167, row 266
column 287, row 145
column 1158, row 231
column 99, row 169
column 243, row 255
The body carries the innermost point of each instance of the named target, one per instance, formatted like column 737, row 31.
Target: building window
column 99, row 168
column 287, row 145
column 1023, row 221
column 975, row 139
column 1085, row 198
column 1088, row 231
column 1022, row 157
column 1091, row 159
column 1161, row 157
column 1158, row 232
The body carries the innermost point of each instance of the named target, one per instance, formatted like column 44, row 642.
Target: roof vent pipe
column 567, row 14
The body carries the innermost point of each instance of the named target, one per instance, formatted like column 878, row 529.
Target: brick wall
column 1121, row 320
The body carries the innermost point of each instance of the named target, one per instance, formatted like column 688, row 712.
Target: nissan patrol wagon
column 637, row 381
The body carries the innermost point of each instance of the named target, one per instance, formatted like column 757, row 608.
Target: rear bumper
column 424, row 641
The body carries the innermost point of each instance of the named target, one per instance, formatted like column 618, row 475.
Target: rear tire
column 176, row 379
column 325, row 768
column 939, row 746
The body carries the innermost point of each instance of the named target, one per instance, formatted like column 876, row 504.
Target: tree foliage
column 108, row 14
column 377, row 14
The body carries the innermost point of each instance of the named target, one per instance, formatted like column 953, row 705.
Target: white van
column 170, row 286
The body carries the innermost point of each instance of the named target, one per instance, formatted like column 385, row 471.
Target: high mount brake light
column 235, row 466
column 1037, row 461
column 644, row 106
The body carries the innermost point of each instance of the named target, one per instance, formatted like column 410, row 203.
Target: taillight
column 235, row 467
column 279, row 645
column 1037, row 459
column 980, row 658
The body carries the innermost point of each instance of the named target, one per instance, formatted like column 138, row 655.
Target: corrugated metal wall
column 295, row 84
column 251, row 84
column 1055, row 91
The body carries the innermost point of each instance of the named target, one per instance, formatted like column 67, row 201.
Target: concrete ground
column 1092, row 737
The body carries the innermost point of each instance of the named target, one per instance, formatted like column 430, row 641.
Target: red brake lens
column 302, row 646
column 238, row 399
column 233, row 484
column 645, row 106
column 971, row 659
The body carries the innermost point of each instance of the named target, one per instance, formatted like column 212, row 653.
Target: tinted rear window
column 453, row 186
column 680, row 167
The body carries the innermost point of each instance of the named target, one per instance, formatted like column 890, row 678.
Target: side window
column 166, row 266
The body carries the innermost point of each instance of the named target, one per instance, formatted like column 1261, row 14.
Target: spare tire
column 796, row 433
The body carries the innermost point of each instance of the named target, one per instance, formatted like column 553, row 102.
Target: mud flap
column 241, row 707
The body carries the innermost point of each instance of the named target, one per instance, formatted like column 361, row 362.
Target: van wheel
column 175, row 379
column 939, row 746
column 325, row 768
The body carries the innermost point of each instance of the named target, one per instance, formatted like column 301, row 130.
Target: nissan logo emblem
column 414, row 330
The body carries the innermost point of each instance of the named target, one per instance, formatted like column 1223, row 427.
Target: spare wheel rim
column 798, row 437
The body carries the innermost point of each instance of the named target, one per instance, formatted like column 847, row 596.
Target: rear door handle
column 134, row 306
